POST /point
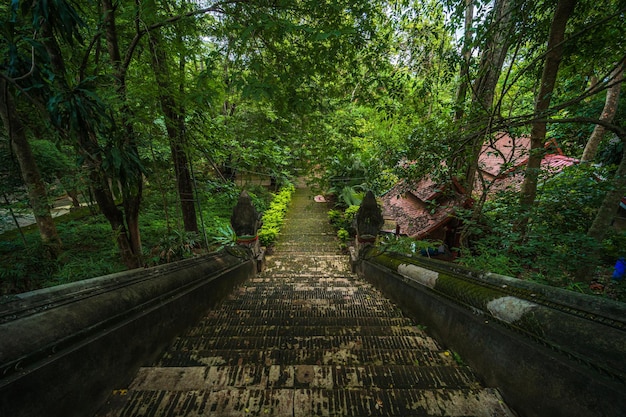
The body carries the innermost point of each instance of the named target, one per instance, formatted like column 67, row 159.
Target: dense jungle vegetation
column 144, row 113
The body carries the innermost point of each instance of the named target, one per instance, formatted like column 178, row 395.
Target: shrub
column 221, row 235
column 343, row 219
column 343, row 235
column 274, row 216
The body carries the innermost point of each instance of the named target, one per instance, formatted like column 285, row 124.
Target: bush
column 343, row 219
column 274, row 216
column 343, row 235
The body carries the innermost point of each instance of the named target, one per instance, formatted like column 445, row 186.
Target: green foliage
column 406, row 245
column 343, row 219
column 274, row 216
column 221, row 235
column 79, row 268
column 557, row 245
column 174, row 246
column 349, row 196
column 343, row 235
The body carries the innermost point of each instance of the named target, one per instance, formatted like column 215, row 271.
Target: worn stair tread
column 320, row 312
column 302, row 376
column 234, row 328
column 307, row 403
column 347, row 322
column 348, row 343
column 278, row 356
column 297, row 292
column 322, row 302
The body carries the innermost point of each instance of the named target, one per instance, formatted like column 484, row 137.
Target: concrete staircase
column 306, row 338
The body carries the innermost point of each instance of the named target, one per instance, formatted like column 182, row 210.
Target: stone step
column 323, row 281
column 277, row 356
column 302, row 376
column 350, row 323
column 344, row 343
column 333, row 300
column 313, row 312
column 306, row 263
column 232, row 328
column 299, row 249
column 308, row 402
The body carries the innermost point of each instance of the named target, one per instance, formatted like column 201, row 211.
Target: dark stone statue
column 369, row 219
column 245, row 219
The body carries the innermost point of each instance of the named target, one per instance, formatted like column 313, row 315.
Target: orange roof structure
column 423, row 209
column 418, row 211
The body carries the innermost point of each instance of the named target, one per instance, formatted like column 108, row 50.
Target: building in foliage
column 425, row 209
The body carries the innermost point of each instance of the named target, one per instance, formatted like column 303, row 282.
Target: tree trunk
column 492, row 60
column 104, row 198
column 604, row 217
column 564, row 9
column 175, row 129
column 132, row 183
column 129, row 244
column 608, row 113
column 30, row 173
column 467, row 56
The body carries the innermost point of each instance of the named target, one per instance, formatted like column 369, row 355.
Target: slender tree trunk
column 611, row 201
column 604, row 217
column 608, row 113
column 564, row 10
column 99, row 181
column 467, row 56
column 132, row 183
column 174, row 123
column 492, row 60
column 30, row 173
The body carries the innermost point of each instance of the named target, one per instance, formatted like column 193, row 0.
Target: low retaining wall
column 63, row 349
column 552, row 352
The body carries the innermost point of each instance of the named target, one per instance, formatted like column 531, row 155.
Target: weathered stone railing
column 552, row 352
column 63, row 349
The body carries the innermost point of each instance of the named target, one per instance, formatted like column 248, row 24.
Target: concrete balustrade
column 63, row 349
column 551, row 352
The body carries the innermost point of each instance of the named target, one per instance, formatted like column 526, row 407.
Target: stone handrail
column 552, row 352
column 63, row 349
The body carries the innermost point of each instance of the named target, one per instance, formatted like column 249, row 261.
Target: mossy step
column 307, row 403
column 302, row 376
column 346, row 343
column 276, row 356
column 348, row 322
column 231, row 329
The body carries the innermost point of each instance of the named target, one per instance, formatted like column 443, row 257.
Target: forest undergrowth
column 89, row 245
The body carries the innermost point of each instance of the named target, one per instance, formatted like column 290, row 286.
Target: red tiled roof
column 416, row 217
column 503, row 159
column 503, row 153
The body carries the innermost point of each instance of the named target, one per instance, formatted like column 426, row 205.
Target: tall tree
column 467, row 56
column 482, row 112
column 553, row 56
column 175, row 126
column 25, row 70
column 608, row 113
column 130, row 172
column 16, row 132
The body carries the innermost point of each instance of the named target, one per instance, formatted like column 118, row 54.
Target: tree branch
column 216, row 8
